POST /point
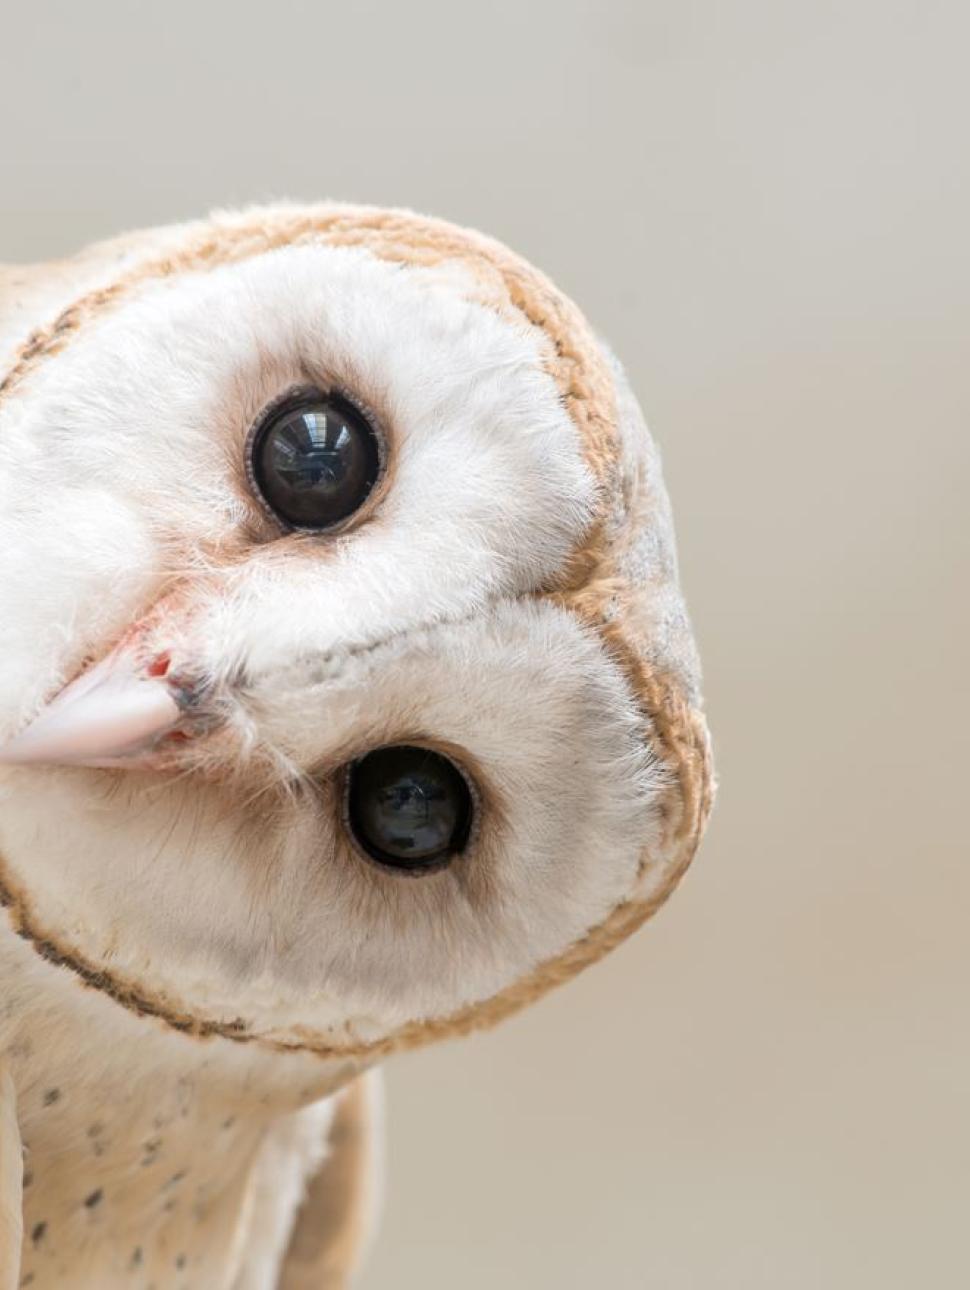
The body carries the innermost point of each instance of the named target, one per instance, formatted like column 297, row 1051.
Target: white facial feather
column 307, row 933
column 411, row 618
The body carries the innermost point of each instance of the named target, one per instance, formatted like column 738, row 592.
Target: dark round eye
column 409, row 808
column 314, row 460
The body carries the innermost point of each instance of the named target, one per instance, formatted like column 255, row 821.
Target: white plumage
column 203, row 952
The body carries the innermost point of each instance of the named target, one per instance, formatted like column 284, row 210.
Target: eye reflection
column 308, row 450
column 409, row 808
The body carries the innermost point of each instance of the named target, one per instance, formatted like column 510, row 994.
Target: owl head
column 347, row 695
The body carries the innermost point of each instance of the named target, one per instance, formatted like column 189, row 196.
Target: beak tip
column 109, row 723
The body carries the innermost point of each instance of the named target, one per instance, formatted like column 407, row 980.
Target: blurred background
column 765, row 207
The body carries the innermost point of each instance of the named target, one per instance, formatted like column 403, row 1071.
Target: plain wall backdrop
column 765, row 207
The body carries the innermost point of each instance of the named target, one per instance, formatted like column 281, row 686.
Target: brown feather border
column 582, row 376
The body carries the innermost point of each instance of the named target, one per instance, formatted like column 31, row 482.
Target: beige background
column 765, row 206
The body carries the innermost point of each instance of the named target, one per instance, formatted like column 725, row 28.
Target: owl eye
column 409, row 808
column 313, row 460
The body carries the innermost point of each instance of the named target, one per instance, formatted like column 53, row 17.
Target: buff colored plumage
column 199, row 965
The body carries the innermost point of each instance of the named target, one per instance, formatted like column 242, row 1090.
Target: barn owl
column 347, row 701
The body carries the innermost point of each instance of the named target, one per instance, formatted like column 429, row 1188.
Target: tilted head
column 282, row 491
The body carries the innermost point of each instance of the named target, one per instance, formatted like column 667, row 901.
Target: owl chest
column 134, row 1197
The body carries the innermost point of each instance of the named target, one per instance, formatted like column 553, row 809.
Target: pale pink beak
column 114, row 714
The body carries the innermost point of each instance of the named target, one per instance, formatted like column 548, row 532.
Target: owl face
column 302, row 740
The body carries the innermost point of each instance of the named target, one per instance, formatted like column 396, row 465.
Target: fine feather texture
column 510, row 600
column 489, row 495
column 309, row 935
column 11, row 1184
column 409, row 620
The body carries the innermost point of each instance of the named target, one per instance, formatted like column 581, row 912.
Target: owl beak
column 115, row 714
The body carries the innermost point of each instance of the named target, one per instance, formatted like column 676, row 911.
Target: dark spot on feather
column 51, row 1096
column 94, row 1199
column 37, row 1234
column 151, row 1148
